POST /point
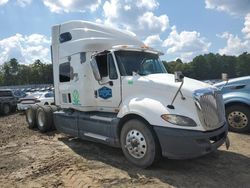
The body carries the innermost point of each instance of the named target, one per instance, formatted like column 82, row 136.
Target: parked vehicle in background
column 19, row 94
column 236, row 95
column 8, row 102
column 40, row 98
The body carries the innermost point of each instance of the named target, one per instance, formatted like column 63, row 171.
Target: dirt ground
column 31, row 159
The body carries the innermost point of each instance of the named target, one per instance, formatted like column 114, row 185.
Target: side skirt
column 94, row 126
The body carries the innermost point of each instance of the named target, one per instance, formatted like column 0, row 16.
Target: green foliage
column 210, row 66
column 13, row 73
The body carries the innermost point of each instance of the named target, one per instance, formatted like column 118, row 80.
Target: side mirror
column 224, row 77
column 178, row 76
column 95, row 70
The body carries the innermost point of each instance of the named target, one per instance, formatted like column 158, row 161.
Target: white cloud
column 25, row 49
column 23, row 3
column 153, row 41
column 127, row 7
column 2, row 2
column 137, row 16
column 186, row 44
column 239, row 7
column 37, row 39
column 59, row 6
column 246, row 29
column 110, row 9
column 148, row 4
column 235, row 46
column 149, row 21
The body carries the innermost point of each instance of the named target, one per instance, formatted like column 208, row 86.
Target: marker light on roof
column 145, row 47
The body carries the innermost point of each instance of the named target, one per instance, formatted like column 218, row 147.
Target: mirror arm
column 178, row 91
column 182, row 96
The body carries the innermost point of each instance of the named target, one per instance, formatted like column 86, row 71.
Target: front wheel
column 238, row 118
column 139, row 144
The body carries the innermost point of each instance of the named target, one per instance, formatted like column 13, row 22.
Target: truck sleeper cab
column 110, row 88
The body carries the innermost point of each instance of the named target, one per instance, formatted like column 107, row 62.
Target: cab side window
column 101, row 61
column 106, row 66
column 64, row 37
column 64, row 72
column 111, row 67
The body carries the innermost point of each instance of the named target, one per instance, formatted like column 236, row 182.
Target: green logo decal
column 76, row 100
column 130, row 82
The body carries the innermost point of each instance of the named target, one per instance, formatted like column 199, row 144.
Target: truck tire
column 44, row 119
column 238, row 118
column 53, row 108
column 139, row 144
column 6, row 109
column 31, row 116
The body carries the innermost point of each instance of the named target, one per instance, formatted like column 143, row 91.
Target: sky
column 180, row 29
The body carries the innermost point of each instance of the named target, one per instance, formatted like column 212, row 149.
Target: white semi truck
column 111, row 88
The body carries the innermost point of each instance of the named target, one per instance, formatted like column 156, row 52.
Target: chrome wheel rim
column 136, row 144
column 237, row 119
column 41, row 119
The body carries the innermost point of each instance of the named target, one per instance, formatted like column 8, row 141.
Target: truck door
column 108, row 90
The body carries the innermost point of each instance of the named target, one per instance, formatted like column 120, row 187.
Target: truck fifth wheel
column 111, row 88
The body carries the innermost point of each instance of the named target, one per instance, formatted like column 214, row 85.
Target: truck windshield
column 143, row 63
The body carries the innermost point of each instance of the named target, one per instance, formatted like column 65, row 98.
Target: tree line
column 202, row 67
column 14, row 73
column 210, row 66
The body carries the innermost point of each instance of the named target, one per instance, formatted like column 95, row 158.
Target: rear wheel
column 53, row 108
column 6, row 109
column 44, row 119
column 139, row 144
column 31, row 116
column 238, row 118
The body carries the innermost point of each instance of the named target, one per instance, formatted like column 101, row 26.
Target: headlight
column 179, row 120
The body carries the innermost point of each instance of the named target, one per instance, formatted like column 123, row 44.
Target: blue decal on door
column 105, row 92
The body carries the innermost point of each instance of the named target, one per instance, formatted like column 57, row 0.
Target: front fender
column 236, row 97
column 148, row 108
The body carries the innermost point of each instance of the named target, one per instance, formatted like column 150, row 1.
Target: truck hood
column 152, row 94
column 161, row 81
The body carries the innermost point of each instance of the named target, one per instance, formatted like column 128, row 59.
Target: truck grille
column 210, row 108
